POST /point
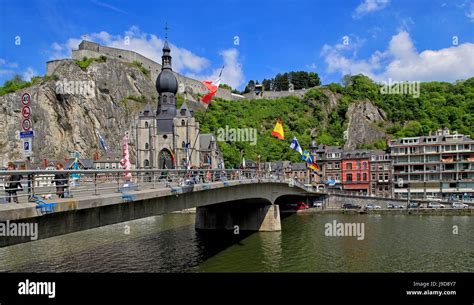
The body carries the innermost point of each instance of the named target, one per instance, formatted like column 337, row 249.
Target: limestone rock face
column 362, row 128
column 71, row 105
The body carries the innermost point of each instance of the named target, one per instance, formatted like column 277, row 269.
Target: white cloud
column 6, row 67
column 29, row 73
column 369, row 6
column 401, row 61
column 232, row 74
column 470, row 13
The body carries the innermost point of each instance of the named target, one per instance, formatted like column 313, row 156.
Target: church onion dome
column 166, row 82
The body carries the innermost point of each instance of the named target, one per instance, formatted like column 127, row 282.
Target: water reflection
column 170, row 244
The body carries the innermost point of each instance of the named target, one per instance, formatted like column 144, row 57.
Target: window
column 386, row 187
column 183, row 123
column 385, row 177
column 358, row 176
column 146, row 124
column 365, row 176
column 364, row 165
column 336, row 165
column 147, row 146
column 329, row 165
column 372, row 167
column 380, row 177
column 349, row 177
column 337, row 177
column 373, row 176
column 349, row 166
column 358, row 165
column 147, row 163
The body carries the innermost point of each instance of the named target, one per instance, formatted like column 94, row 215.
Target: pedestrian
column 60, row 179
column 13, row 184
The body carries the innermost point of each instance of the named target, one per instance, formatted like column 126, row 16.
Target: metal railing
column 49, row 184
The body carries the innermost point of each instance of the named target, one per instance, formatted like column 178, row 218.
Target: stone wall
column 275, row 94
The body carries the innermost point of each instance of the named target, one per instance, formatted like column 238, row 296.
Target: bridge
column 224, row 199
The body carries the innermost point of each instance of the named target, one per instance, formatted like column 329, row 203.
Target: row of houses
column 440, row 165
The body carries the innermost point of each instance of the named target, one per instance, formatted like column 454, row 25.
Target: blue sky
column 384, row 39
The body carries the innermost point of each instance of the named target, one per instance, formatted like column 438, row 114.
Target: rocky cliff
column 71, row 104
column 363, row 126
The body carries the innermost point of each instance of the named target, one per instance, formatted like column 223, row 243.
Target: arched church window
column 147, row 162
column 147, row 146
column 146, row 124
column 183, row 123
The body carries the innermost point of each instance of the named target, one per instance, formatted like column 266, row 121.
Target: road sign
column 26, row 124
column 26, row 112
column 27, row 150
column 25, row 99
column 27, row 134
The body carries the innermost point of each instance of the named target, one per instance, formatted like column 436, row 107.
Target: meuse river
column 169, row 243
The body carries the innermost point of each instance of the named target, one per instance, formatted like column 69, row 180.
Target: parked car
column 350, row 206
column 317, row 204
column 394, row 206
column 459, row 205
column 435, row 205
column 373, row 206
column 414, row 205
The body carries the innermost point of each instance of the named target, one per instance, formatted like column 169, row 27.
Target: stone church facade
column 170, row 137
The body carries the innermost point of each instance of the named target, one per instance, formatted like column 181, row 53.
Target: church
column 170, row 138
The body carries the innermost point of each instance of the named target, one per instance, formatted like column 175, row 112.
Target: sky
column 387, row 40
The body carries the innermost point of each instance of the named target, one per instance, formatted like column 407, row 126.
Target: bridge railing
column 49, row 184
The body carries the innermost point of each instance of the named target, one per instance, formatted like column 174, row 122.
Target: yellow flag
column 278, row 131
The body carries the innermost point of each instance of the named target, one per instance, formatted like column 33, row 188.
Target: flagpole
column 197, row 135
column 208, row 105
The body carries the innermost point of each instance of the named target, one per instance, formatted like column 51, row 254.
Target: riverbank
column 422, row 211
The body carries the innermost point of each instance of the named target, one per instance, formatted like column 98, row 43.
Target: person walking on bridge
column 13, row 184
column 60, row 179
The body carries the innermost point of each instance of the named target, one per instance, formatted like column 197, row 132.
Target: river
column 169, row 243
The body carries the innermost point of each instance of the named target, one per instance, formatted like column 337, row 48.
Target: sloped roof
column 183, row 111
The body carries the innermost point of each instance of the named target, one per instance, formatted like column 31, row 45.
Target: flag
column 101, row 141
column 278, row 130
column 307, row 157
column 314, row 166
column 296, row 146
column 125, row 162
column 212, row 87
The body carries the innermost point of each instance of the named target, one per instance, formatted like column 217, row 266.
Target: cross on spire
column 166, row 30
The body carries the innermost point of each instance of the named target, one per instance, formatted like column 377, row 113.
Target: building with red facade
column 355, row 171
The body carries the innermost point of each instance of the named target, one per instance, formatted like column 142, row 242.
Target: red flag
column 212, row 87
